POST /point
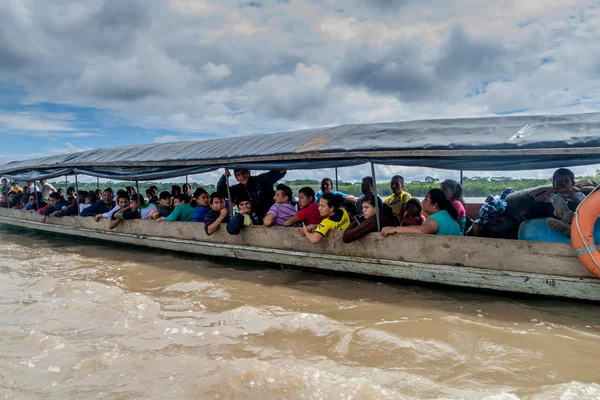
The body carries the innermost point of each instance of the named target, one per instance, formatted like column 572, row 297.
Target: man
column 100, row 207
column 366, row 188
column 122, row 203
column 55, row 205
column 5, row 187
column 135, row 210
column 217, row 214
column 399, row 198
column 15, row 188
column 47, row 188
column 282, row 210
column 309, row 209
column 259, row 189
column 32, row 187
column 244, row 216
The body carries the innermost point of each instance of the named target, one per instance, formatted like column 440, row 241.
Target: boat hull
column 548, row 269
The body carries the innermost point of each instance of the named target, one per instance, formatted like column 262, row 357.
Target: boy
column 135, row 210
column 282, row 210
column 217, row 214
column 54, row 205
column 399, row 198
column 183, row 210
column 243, row 216
column 309, row 209
column 122, row 203
column 164, row 206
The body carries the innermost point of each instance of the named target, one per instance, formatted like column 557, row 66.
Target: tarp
column 494, row 143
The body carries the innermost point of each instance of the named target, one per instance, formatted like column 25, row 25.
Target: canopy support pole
column 97, row 183
column 376, row 197
column 186, row 179
column 66, row 183
column 77, row 194
column 137, row 189
column 336, row 179
column 37, row 205
column 230, row 207
column 461, row 177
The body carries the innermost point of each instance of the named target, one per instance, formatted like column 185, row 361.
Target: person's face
column 133, row 204
column 242, row 177
column 327, row 187
column 176, row 202
column 563, row 182
column 123, row 202
column 303, row 200
column 427, row 206
column 107, row 197
column 32, row 200
column 89, row 200
column 52, row 201
column 280, row 198
column 324, row 209
column 245, row 207
column 217, row 204
column 397, row 185
column 165, row 202
column 4, row 182
column 447, row 191
column 412, row 210
column 368, row 210
column 187, row 189
column 366, row 187
column 70, row 192
column 60, row 192
column 29, row 183
column 203, row 199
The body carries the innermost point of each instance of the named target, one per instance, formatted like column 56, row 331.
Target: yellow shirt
column 338, row 221
column 397, row 201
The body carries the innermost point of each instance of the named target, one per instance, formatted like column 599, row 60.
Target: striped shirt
column 282, row 213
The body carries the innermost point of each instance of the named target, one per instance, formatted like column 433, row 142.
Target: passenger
column 202, row 205
column 33, row 187
column 61, row 194
column 243, row 216
column 164, row 206
column 187, row 189
column 24, row 202
column 258, row 188
column 454, row 193
column 122, row 203
column 441, row 221
column 152, row 194
column 12, row 199
column 71, row 209
column 71, row 191
column 5, row 187
column 413, row 216
column 25, row 190
column 137, row 209
column 366, row 188
column 175, row 190
column 399, row 198
column 334, row 216
column 217, row 214
column 98, row 194
column 357, row 229
column 327, row 187
column 131, row 191
column 15, row 188
column 90, row 199
column 309, row 210
column 282, row 210
column 101, row 206
column 47, row 188
column 183, row 211
column 4, row 199
column 55, row 204
column 36, row 204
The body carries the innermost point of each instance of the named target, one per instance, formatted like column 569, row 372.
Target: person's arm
column 114, row 223
column 174, row 216
column 269, row 219
column 222, row 184
column 292, row 221
column 210, row 229
column 429, row 227
column 270, row 177
column 90, row 211
column 573, row 196
column 234, row 226
column 312, row 237
column 355, row 231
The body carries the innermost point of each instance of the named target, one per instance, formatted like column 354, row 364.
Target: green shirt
column 182, row 212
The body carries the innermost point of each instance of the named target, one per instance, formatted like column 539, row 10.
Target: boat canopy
column 472, row 144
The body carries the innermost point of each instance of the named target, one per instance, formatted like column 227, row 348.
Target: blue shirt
column 446, row 225
column 199, row 213
column 320, row 193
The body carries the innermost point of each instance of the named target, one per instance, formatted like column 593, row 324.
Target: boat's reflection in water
column 108, row 321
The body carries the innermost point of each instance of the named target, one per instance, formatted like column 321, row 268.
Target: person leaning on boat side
column 55, row 204
column 47, row 188
column 183, row 211
column 101, row 206
column 358, row 229
column 399, row 198
column 202, row 205
column 70, row 210
column 122, row 203
column 164, row 206
column 327, row 187
column 258, row 188
column 36, row 205
column 134, row 210
column 309, row 210
column 334, row 216
column 217, row 214
column 282, row 210
column 454, row 193
column 442, row 218
column 243, row 216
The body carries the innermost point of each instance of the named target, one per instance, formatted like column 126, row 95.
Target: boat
column 494, row 143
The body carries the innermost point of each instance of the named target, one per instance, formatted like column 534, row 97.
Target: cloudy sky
column 83, row 74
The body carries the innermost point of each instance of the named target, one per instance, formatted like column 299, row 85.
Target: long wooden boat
column 508, row 143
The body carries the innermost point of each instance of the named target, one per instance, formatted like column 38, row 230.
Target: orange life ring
column 582, row 233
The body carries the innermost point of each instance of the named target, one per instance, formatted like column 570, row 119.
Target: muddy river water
column 90, row 320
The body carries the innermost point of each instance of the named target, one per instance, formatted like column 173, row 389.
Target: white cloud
column 216, row 72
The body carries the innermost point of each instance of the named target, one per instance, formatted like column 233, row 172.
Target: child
column 454, row 193
column 413, row 216
column 217, row 214
column 243, row 215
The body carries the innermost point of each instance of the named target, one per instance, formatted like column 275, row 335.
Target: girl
column 454, row 193
column 334, row 218
column 357, row 229
column 413, row 216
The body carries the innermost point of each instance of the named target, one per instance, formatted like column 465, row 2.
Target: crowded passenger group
column 259, row 200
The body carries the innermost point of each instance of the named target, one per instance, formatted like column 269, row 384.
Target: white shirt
column 47, row 189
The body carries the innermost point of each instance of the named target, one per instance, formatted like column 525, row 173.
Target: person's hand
column 227, row 173
column 351, row 198
column 43, row 219
column 311, row 227
column 388, row 230
column 161, row 219
column 300, row 231
column 98, row 217
column 223, row 213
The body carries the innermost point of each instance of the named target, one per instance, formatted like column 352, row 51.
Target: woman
column 454, row 193
column 441, row 221
column 334, row 216
column 327, row 187
column 357, row 229
column 175, row 190
column 187, row 189
column 202, row 208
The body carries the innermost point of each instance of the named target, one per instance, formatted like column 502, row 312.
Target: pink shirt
column 460, row 208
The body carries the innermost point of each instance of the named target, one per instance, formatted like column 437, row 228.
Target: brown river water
column 91, row 320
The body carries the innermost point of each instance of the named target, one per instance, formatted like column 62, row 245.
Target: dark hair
column 122, row 192
column 287, row 191
column 200, row 191
column 90, row 196
column 164, row 195
column 71, row 188
column 153, row 188
column 323, row 181
column 71, row 199
column 437, row 196
column 370, row 198
column 60, row 190
column 216, row 195
column 107, row 190
column 149, row 192
column 368, row 179
column 183, row 198
column 308, row 192
column 54, row 195
column 187, row 185
column 37, row 195
column 175, row 190
column 135, row 198
column 563, row 171
column 397, row 177
column 456, row 188
column 333, row 200
column 415, row 202
column 235, row 171
column 122, row 195
column 241, row 197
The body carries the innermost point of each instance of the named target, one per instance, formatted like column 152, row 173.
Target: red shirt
column 310, row 215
